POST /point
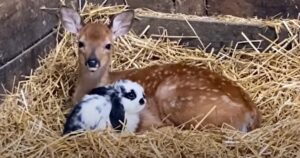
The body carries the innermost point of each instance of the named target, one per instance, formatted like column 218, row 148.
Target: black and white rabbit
column 110, row 106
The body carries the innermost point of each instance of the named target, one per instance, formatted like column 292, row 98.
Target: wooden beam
column 26, row 34
column 23, row 24
column 20, row 66
column 195, row 7
column 240, row 8
column 212, row 32
column 278, row 8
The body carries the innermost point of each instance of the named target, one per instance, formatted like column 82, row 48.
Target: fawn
column 177, row 94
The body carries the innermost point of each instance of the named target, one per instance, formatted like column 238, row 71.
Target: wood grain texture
column 23, row 24
column 20, row 66
column 251, row 8
column 195, row 7
column 212, row 32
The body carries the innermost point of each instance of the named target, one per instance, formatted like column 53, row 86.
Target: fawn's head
column 95, row 40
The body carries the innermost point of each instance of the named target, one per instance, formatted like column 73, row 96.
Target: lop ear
column 121, row 23
column 70, row 20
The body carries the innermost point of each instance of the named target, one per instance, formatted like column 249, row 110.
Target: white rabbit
column 108, row 107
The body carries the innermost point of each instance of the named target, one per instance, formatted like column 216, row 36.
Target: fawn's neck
column 89, row 80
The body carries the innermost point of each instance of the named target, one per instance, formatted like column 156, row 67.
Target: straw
column 33, row 115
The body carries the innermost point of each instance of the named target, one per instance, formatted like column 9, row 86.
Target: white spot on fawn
column 228, row 94
column 149, row 85
column 223, row 79
column 208, row 90
column 186, row 98
column 202, row 98
column 189, row 72
column 182, row 99
column 173, row 103
column 202, row 88
column 225, row 98
column 189, row 84
column 215, row 90
column 154, row 83
column 213, row 98
column 172, row 87
column 188, row 77
column 211, row 76
column 189, row 98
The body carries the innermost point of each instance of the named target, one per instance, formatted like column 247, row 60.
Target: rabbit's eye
column 130, row 95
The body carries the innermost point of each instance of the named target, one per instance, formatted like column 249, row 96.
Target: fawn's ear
column 70, row 20
column 121, row 23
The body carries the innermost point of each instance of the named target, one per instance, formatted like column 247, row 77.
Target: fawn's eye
column 80, row 44
column 108, row 46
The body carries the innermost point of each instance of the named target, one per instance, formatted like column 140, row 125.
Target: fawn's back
column 185, row 94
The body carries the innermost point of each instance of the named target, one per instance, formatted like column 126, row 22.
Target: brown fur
column 94, row 36
column 183, row 92
column 177, row 94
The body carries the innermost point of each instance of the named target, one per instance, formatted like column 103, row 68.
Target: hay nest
column 32, row 116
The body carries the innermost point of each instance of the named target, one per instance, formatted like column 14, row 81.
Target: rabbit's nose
column 142, row 101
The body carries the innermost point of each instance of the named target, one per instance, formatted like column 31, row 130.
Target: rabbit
column 111, row 106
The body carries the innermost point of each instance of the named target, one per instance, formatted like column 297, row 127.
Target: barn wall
column 251, row 8
column 240, row 8
column 23, row 24
column 26, row 32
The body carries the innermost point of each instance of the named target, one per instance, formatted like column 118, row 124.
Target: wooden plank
column 211, row 31
column 240, row 8
column 25, row 62
column 193, row 7
column 251, row 8
column 31, row 38
column 280, row 8
column 196, row 7
column 23, row 24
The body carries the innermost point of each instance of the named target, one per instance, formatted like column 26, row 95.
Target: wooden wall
column 241, row 8
column 23, row 25
column 26, row 32
column 251, row 8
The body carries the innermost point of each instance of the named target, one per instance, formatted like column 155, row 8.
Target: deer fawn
column 177, row 94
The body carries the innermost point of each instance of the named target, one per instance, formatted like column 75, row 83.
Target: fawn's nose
column 92, row 63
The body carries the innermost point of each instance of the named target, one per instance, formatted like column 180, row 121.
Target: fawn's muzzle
column 92, row 64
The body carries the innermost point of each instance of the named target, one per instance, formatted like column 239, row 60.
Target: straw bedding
column 32, row 116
